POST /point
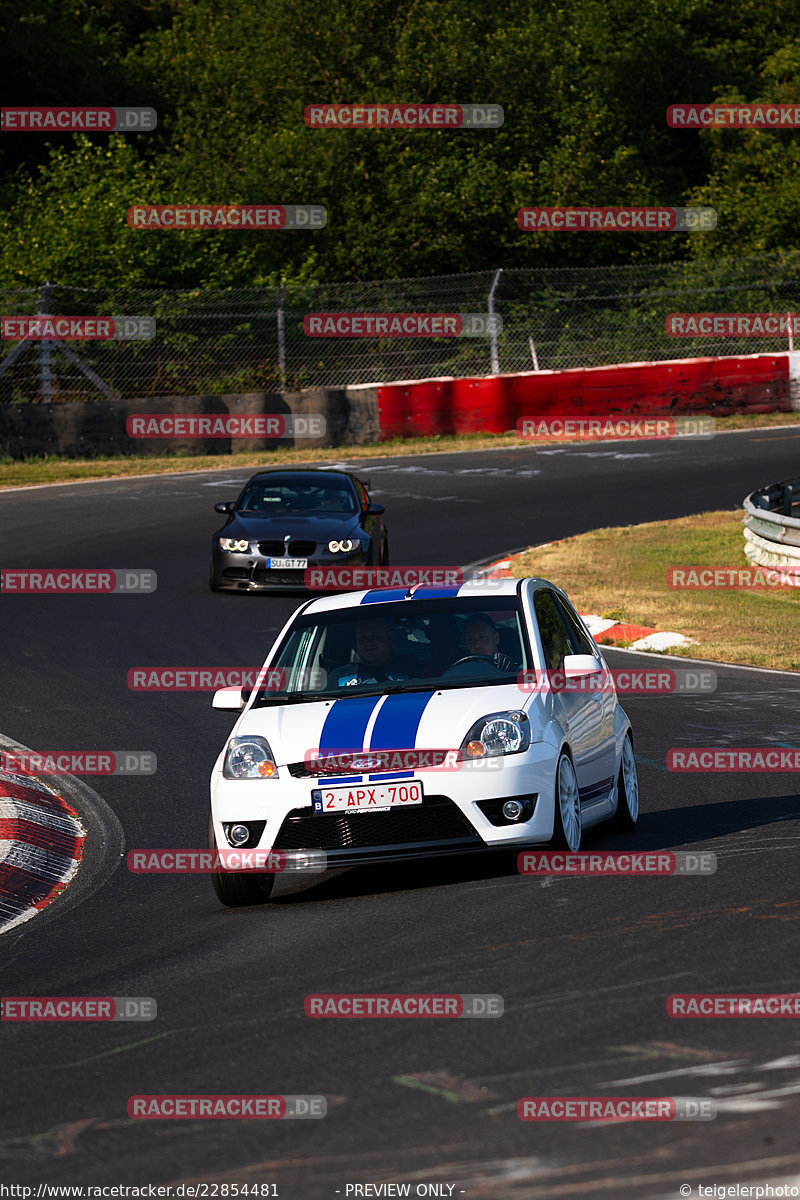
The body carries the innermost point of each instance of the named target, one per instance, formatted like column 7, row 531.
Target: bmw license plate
column 378, row 797
column 288, row 564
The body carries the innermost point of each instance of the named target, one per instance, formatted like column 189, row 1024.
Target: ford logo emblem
column 366, row 764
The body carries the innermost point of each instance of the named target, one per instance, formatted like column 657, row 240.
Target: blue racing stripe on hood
column 345, row 728
column 397, row 723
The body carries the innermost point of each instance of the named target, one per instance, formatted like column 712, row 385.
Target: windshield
column 377, row 648
column 297, row 497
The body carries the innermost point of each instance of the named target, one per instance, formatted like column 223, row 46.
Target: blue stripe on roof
column 383, row 594
column 435, row 593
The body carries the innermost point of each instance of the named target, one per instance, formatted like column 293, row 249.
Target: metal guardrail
column 772, row 526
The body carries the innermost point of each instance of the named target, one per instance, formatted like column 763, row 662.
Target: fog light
column 238, row 835
column 512, row 810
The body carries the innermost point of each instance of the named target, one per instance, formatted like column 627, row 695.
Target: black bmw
column 285, row 521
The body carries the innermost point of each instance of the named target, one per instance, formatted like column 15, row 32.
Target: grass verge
column 621, row 573
column 52, row 469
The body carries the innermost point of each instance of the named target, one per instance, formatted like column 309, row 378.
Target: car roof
column 405, row 596
column 300, row 473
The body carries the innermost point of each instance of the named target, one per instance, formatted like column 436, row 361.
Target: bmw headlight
column 345, row 546
column 498, row 733
column 249, row 757
column 240, row 545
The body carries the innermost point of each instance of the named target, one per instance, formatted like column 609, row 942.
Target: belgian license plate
column 288, row 564
column 378, row 797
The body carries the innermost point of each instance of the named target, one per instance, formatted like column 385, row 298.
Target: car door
column 580, row 711
column 603, row 692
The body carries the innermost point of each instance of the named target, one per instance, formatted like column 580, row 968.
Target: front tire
column 237, row 890
column 567, row 824
column 627, row 813
column 385, row 553
column 213, row 582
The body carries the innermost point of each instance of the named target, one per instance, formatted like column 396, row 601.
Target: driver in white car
column 374, row 650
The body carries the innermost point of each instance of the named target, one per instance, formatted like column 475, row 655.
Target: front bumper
column 250, row 573
column 449, row 820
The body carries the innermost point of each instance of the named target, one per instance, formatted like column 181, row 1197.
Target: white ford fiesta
column 413, row 723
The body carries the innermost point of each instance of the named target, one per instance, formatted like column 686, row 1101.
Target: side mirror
column 229, row 698
column 224, row 506
column 375, row 510
column 576, row 666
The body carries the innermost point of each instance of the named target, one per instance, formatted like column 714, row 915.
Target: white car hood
column 426, row 719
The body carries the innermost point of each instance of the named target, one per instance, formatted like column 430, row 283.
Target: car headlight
column 498, row 733
column 249, row 757
column 241, row 545
column 345, row 546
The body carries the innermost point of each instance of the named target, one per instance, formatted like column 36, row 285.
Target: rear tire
column 627, row 813
column 238, row 890
column 567, row 825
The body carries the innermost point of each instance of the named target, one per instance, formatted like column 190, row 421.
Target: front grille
column 437, row 819
column 264, row 575
column 297, row 549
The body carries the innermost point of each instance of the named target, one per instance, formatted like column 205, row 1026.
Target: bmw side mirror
column 375, row 510
column 224, row 506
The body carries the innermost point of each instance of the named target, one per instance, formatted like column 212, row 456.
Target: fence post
column 533, row 354
column 45, row 372
column 281, row 341
column 490, row 307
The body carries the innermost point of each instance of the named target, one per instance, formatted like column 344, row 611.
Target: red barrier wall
column 493, row 404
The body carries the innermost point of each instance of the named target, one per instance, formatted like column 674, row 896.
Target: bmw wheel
column 627, row 813
column 567, row 826
column 385, row 553
column 237, row 890
column 213, row 581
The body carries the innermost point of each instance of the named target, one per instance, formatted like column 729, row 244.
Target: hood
column 428, row 720
column 319, row 527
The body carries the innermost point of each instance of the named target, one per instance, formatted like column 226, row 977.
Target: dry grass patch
column 621, row 573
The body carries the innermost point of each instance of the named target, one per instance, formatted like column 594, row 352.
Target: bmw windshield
column 293, row 497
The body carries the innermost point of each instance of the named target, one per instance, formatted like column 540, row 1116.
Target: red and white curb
column 603, row 630
column 41, row 844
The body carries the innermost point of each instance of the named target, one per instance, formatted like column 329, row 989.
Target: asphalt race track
column 584, row 965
